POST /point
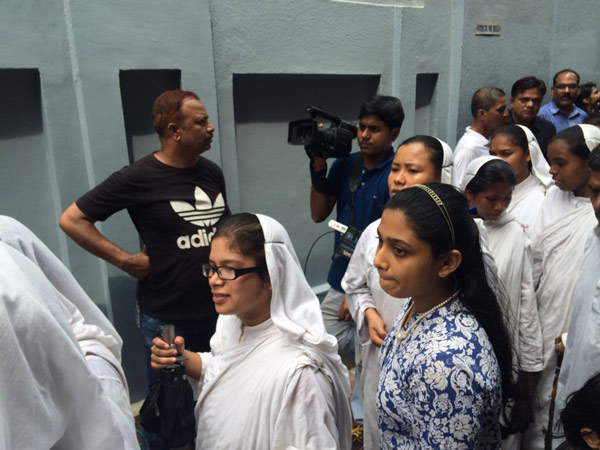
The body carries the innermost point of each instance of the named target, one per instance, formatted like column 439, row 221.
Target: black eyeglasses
column 225, row 272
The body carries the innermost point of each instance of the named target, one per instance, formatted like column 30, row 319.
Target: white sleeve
column 530, row 331
column 307, row 418
column 537, row 234
column 355, row 280
column 462, row 157
column 45, row 376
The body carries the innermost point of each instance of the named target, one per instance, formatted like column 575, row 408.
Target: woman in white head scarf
column 564, row 222
column 98, row 340
column 273, row 379
column 518, row 146
column 51, row 397
column 488, row 185
column 420, row 159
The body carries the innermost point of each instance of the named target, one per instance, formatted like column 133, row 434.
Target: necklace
column 403, row 334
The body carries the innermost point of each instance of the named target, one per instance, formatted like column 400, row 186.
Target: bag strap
column 354, row 180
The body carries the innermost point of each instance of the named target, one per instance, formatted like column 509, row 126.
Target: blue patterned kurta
column 440, row 387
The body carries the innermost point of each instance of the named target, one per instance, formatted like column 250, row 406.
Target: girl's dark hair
column 581, row 411
column 494, row 171
column 575, row 141
column 594, row 159
column 516, row 135
column 434, row 147
column 429, row 225
column 245, row 234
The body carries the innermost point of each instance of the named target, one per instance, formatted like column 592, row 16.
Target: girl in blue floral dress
column 445, row 375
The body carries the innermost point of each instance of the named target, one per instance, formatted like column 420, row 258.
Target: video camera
column 332, row 142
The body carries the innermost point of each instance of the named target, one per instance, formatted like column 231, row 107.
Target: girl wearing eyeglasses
column 273, row 378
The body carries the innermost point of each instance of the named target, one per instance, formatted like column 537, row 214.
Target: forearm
column 193, row 364
column 82, row 230
column 321, row 205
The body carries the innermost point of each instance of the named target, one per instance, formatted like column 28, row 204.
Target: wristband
column 318, row 179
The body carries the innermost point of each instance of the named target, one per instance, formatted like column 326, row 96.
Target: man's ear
column 590, row 437
column 394, row 133
column 173, row 131
column 480, row 114
column 449, row 263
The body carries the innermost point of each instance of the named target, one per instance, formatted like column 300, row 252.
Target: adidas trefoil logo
column 204, row 213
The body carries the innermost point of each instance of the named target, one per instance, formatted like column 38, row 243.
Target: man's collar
column 480, row 137
column 386, row 161
column 510, row 120
column 554, row 110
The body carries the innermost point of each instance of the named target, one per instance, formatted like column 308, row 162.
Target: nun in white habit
column 50, row 399
column 363, row 292
column 529, row 194
column 564, row 222
column 273, row 378
column 511, row 250
column 582, row 347
column 99, row 341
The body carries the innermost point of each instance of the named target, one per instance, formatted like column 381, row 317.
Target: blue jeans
column 197, row 334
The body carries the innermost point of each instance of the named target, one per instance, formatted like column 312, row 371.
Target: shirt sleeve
column 462, row 158
column 113, row 194
column 306, row 419
column 530, row 331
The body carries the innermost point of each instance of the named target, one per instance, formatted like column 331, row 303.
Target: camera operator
column 380, row 120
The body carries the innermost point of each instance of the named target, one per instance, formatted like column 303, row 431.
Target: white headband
column 447, row 162
column 591, row 134
column 474, row 167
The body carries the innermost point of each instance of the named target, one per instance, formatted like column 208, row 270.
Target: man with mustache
column 174, row 197
column 561, row 110
column 525, row 100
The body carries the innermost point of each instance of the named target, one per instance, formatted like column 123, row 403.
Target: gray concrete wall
column 524, row 47
column 255, row 65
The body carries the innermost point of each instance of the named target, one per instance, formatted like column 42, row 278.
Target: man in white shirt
column 488, row 107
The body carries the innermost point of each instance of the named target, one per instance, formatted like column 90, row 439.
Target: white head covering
column 295, row 311
column 447, row 163
column 474, row 167
column 50, row 398
column 93, row 330
column 295, row 308
column 539, row 166
column 591, row 134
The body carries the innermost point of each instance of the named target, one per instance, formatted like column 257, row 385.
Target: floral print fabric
column 440, row 388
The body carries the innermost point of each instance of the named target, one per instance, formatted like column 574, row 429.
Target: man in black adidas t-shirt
column 174, row 198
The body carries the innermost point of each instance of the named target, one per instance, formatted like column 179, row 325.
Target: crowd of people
column 473, row 278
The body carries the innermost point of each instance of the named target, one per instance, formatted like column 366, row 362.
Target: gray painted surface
column 255, row 65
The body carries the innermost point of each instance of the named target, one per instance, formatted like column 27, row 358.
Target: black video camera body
column 332, row 142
